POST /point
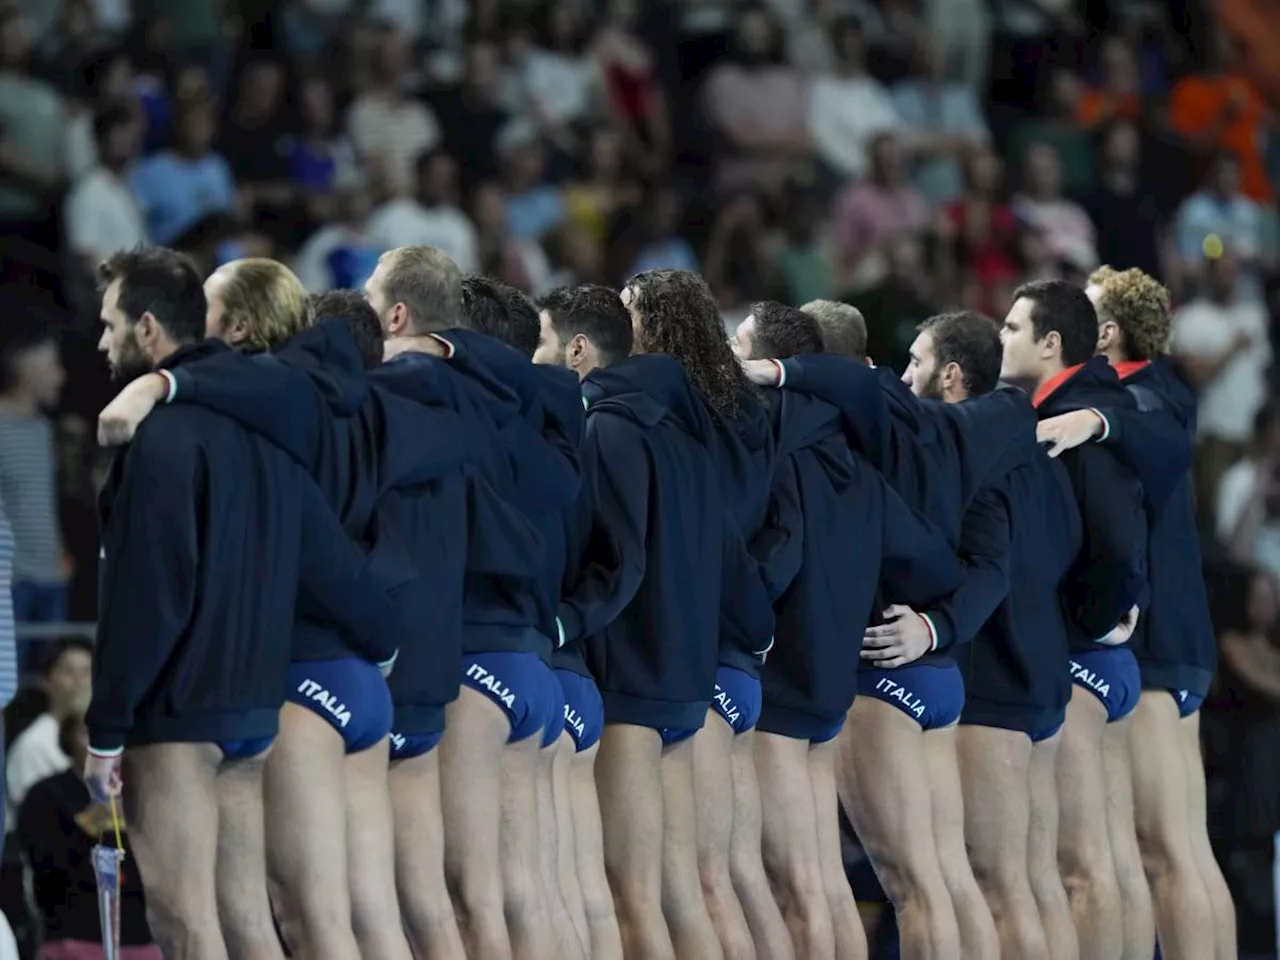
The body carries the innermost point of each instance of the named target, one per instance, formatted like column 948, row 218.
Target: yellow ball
column 1212, row 246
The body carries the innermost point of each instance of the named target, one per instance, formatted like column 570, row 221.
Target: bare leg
column 629, row 786
column 305, row 789
column 419, row 837
column 572, row 941
column 1162, row 817
column 683, row 905
column 851, row 942
column 243, row 904
column 475, row 738
column 995, row 773
column 1042, row 853
column 1084, row 845
column 602, row 921
column 887, row 799
column 1224, row 910
column 746, row 861
column 171, row 808
column 978, row 937
column 1135, row 895
column 713, row 780
column 528, row 913
column 566, row 866
column 371, row 857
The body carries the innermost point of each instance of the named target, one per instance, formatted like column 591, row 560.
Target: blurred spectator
column 963, row 29
column 429, row 218
column 521, row 262
column 197, row 27
column 341, row 254
column 630, row 77
column 1222, row 344
column 471, row 117
column 1026, row 37
column 101, row 214
column 37, row 753
column 69, row 43
column 252, row 138
column 32, row 123
column 811, row 26
column 390, row 130
column 1125, row 213
column 1119, row 94
column 319, row 158
column 181, row 188
column 801, row 261
column 105, row 79
column 1219, row 109
column 659, row 242
column 739, row 263
column 943, row 122
column 534, row 206
column 58, row 826
column 877, row 209
column 602, row 193
column 1220, row 208
column 757, row 105
column 1063, row 224
column 981, row 233
column 1247, row 517
column 1058, row 129
column 898, row 304
column 31, row 378
column 848, row 107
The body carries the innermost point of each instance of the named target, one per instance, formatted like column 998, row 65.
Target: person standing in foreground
column 208, row 533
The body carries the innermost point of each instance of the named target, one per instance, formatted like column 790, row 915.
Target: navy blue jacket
column 312, row 399
column 857, row 534
column 652, row 591
column 1174, row 642
column 207, row 531
column 1110, row 572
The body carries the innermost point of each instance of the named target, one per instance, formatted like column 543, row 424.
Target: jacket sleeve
column 985, row 540
column 851, row 387
column 1110, row 573
column 615, row 562
column 778, row 546
column 746, row 608
column 995, row 432
column 151, row 557
column 1153, row 445
column 918, row 566
column 261, row 393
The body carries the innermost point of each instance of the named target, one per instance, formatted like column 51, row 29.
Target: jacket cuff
column 181, row 384
column 106, row 744
column 781, row 369
column 1106, row 425
column 171, row 382
column 934, row 635
column 568, row 624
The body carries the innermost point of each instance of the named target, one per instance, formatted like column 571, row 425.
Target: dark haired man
column 209, row 531
column 499, row 310
column 361, row 319
column 1049, row 337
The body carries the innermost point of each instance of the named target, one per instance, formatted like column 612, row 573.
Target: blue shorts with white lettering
column 350, row 693
column 826, row 736
column 737, row 698
column 517, row 681
column 245, row 749
column 1110, row 674
column 1051, row 722
column 932, row 694
column 407, row 746
column 1188, row 702
column 553, row 722
column 583, row 709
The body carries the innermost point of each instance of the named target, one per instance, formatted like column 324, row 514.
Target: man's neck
column 1050, row 370
column 426, row 343
column 1115, row 356
column 18, row 405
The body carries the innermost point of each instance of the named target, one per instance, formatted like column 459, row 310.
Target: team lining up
column 580, row 657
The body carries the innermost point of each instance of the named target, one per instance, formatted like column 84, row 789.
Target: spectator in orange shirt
column 1221, row 109
column 1119, row 95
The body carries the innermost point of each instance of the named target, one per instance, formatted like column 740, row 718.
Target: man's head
column 152, row 303
column 583, row 328
column 116, row 132
column 673, row 312
column 66, row 676
column 1051, row 326
column 955, row 356
column 30, row 363
column 415, row 291
column 351, row 308
column 1224, row 174
column 774, row 331
column 1133, row 314
column 255, row 304
column 844, row 330
column 500, row 311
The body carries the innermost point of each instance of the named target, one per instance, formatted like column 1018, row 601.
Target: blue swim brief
column 826, row 736
column 1110, row 674
column 350, row 693
column 737, row 698
column 407, row 746
column 673, row 735
column 245, row 749
column 1051, row 722
column 517, row 681
column 583, row 709
column 553, row 722
column 931, row 694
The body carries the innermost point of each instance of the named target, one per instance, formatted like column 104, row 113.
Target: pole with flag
column 107, row 863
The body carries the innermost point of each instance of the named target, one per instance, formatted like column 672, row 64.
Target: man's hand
column 1068, row 430
column 102, row 777
column 902, row 639
column 1123, row 630
column 119, row 420
column 763, row 373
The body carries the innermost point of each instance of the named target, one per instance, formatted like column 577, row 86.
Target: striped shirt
column 8, row 642
column 29, row 491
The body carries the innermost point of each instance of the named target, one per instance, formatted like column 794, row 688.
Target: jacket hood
column 328, row 354
column 1091, row 384
column 1160, row 377
column 649, row 389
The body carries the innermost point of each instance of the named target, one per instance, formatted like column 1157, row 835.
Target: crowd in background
column 906, row 156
